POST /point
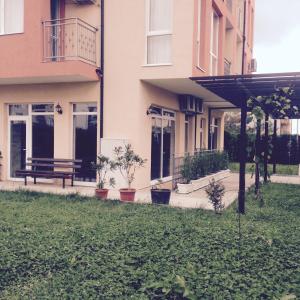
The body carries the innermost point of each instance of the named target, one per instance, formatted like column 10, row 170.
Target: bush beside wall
column 203, row 164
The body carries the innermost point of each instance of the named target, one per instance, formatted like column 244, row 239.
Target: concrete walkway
column 197, row 199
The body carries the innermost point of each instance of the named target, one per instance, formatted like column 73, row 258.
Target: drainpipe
column 102, row 71
column 244, row 37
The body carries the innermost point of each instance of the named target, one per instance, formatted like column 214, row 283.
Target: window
column 11, row 16
column 202, row 130
column 162, row 144
column 199, row 27
column 214, row 44
column 85, row 139
column 214, row 131
column 159, row 31
column 186, row 134
column 31, row 134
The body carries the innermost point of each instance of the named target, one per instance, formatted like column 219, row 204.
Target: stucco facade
column 67, row 77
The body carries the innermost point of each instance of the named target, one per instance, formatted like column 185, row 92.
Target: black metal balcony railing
column 69, row 39
column 227, row 67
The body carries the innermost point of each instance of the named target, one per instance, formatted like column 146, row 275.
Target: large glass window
column 11, row 16
column 31, row 133
column 199, row 36
column 159, row 31
column 214, row 130
column 163, row 143
column 85, row 138
column 18, row 143
column 186, row 134
column 214, row 44
column 202, row 131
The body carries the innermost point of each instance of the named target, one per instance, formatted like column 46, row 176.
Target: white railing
column 69, row 39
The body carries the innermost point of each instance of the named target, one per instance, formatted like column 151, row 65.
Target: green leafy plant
column 73, row 247
column 127, row 161
column 215, row 192
column 202, row 164
column 102, row 166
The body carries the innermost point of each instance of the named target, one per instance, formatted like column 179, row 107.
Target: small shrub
column 202, row 164
column 215, row 192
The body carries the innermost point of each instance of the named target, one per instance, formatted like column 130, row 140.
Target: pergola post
column 266, row 148
column 243, row 158
column 274, row 143
column 258, row 148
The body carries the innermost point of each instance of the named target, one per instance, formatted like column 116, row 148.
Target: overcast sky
column 277, row 35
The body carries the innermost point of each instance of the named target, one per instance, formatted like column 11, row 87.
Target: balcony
column 69, row 39
column 227, row 67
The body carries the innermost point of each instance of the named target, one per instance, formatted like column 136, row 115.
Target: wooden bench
column 51, row 168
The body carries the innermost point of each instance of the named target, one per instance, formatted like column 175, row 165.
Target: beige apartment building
column 79, row 77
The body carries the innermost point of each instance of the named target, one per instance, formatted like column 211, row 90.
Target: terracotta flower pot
column 101, row 193
column 127, row 195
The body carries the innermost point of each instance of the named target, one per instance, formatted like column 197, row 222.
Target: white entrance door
column 19, row 144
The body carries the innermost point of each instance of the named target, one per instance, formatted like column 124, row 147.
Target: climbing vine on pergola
column 277, row 105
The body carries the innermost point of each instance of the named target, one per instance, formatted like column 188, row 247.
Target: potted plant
column 128, row 162
column 102, row 166
column 160, row 195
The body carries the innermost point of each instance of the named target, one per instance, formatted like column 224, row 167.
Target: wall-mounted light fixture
column 59, row 109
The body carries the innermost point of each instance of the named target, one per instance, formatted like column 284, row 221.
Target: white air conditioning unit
column 80, row 2
column 253, row 65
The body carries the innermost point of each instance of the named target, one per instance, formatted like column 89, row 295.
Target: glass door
column 19, row 145
column 85, row 139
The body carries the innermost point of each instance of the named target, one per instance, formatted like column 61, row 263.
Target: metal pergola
column 237, row 89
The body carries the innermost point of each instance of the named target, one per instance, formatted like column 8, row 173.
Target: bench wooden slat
column 53, row 165
column 45, row 172
column 55, row 160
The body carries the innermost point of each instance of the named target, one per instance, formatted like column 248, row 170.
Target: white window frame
column 201, row 133
column 214, row 56
column 199, row 28
column 150, row 33
column 28, row 119
column 72, row 136
column 163, row 117
column 2, row 19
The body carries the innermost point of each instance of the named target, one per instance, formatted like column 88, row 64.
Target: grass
column 59, row 247
column 280, row 169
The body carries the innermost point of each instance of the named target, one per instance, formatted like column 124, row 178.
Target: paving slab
column 197, row 199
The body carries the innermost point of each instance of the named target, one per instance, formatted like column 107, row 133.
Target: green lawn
column 77, row 248
column 281, row 169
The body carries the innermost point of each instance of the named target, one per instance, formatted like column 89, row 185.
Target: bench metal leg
column 72, row 181
column 64, row 183
column 25, row 180
column 34, row 180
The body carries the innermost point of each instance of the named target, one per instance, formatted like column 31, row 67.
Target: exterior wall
column 285, row 127
column 230, row 36
column 22, row 53
column 64, row 94
column 127, row 95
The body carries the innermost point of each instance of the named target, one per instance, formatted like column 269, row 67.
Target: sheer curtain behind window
column 13, row 16
column 159, row 36
column 160, row 15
